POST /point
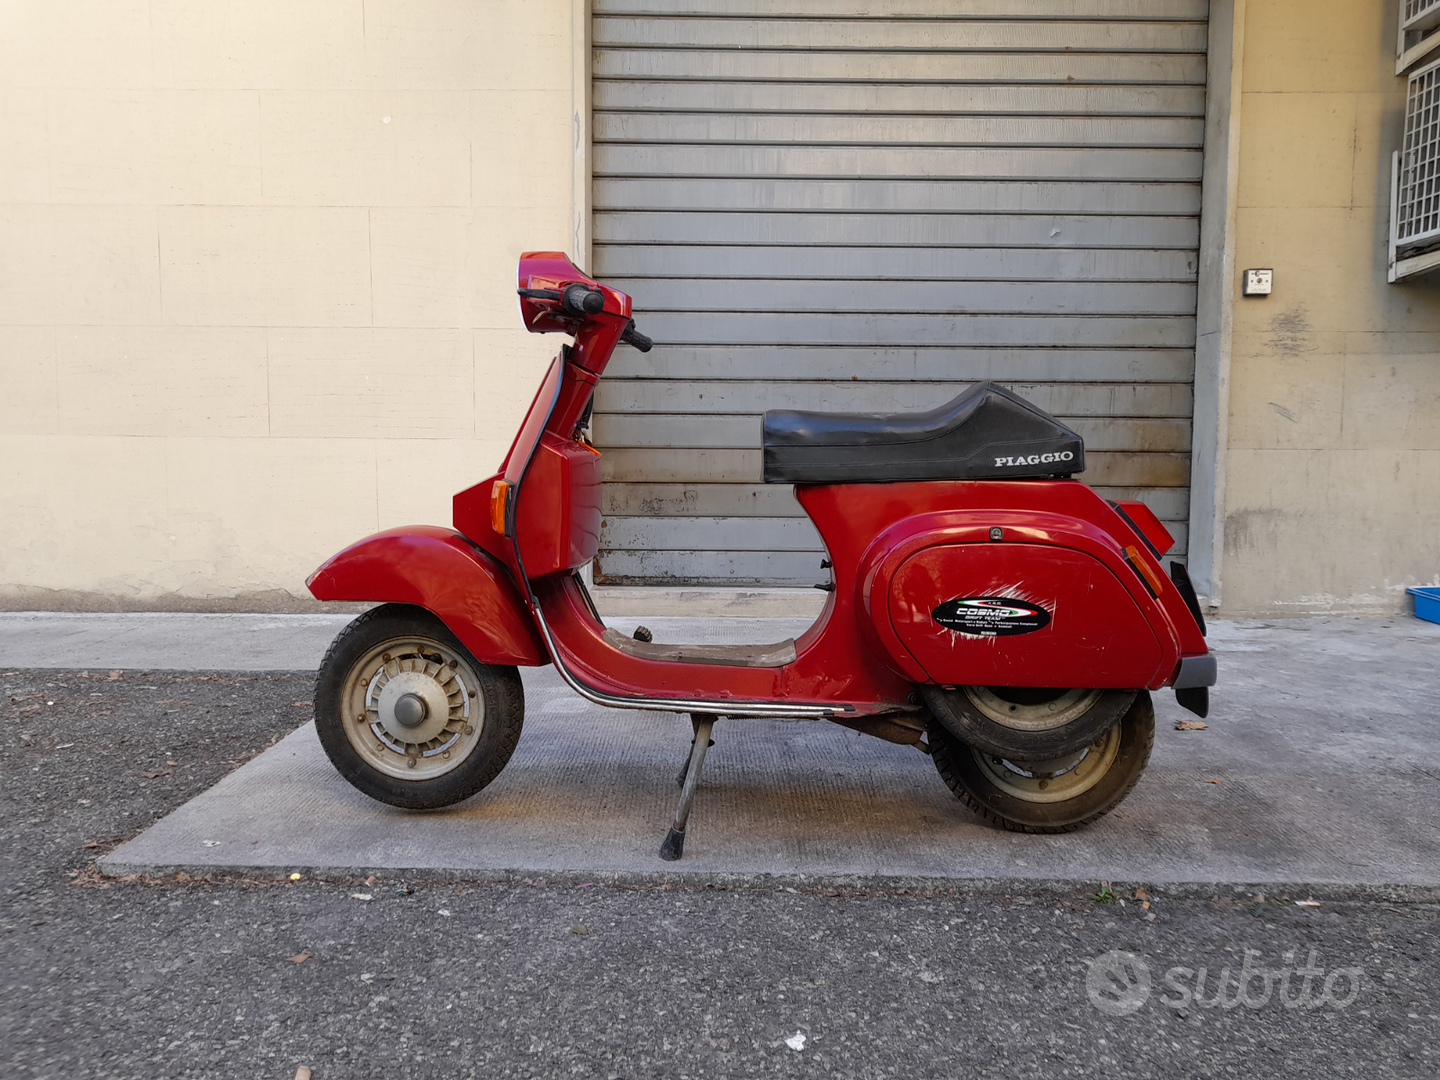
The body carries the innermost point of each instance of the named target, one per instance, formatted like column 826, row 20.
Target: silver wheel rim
column 1067, row 706
column 413, row 708
column 1055, row 779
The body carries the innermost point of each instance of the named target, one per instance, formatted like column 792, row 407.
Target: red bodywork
column 1115, row 619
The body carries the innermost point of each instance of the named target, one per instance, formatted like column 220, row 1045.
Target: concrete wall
column 256, row 279
column 1333, row 495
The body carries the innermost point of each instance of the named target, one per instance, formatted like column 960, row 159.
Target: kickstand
column 674, row 845
column 685, row 765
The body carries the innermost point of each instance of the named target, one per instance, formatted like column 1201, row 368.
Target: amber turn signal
column 499, row 500
column 1156, row 583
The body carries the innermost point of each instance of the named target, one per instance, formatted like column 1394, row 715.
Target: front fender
column 439, row 570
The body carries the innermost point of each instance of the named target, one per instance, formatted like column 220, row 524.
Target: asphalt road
column 198, row 978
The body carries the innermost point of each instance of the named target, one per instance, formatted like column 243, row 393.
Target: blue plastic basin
column 1427, row 602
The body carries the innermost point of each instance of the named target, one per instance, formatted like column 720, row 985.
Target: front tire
column 408, row 716
column 1051, row 796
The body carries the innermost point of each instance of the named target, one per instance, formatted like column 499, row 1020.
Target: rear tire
column 408, row 716
column 1055, row 796
column 1027, row 723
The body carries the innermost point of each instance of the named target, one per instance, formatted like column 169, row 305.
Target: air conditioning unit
column 1419, row 32
column 1415, row 177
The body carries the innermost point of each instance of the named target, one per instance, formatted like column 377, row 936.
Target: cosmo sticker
column 991, row 616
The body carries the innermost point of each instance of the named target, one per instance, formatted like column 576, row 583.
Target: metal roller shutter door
column 835, row 204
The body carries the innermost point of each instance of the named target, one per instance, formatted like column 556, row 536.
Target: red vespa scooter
column 983, row 606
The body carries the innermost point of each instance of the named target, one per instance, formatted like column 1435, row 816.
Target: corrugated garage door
column 868, row 205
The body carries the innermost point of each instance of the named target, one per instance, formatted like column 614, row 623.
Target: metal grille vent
column 1417, row 206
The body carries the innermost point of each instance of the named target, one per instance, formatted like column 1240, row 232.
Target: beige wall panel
column 102, row 146
column 491, row 44
column 371, row 383
column 82, row 513
column 1329, row 267
column 1319, row 45
column 253, row 515
column 173, row 381
column 78, row 264
column 258, row 44
column 522, row 156
column 1334, row 532
column 509, row 367
column 254, row 266
column 442, row 267
column 1392, row 400
column 208, row 146
column 391, row 148
column 1298, row 150
column 416, row 479
column 25, row 163
column 131, row 146
column 76, row 43
column 1289, row 401
column 1379, row 124
column 29, row 396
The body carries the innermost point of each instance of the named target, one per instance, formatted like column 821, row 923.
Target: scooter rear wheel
column 408, row 716
column 1052, row 796
column 1027, row 723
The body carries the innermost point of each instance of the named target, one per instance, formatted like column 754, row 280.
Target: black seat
column 987, row 433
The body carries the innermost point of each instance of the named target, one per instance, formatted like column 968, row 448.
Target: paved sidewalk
column 1320, row 738
column 166, row 641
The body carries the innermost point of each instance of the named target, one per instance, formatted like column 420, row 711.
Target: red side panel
column 558, row 516
column 1046, row 616
column 437, row 569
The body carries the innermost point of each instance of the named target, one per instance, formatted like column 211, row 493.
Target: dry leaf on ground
column 1190, row 725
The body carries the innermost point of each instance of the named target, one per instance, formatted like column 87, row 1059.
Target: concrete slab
column 166, row 641
column 1321, row 738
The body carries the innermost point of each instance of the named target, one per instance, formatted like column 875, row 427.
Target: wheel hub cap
column 410, row 710
column 412, row 706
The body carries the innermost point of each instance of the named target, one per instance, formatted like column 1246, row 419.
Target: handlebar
column 581, row 300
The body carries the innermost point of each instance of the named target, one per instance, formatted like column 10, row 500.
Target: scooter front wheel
column 409, row 716
column 1049, row 796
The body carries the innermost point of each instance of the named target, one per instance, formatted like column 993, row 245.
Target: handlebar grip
column 635, row 339
column 580, row 299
